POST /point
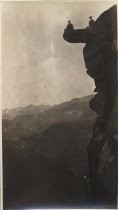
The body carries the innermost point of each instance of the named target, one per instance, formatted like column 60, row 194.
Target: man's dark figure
column 70, row 26
column 91, row 22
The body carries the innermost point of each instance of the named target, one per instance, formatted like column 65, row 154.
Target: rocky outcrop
column 100, row 56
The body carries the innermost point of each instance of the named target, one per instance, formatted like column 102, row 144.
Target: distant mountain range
column 44, row 155
column 32, row 120
column 27, row 110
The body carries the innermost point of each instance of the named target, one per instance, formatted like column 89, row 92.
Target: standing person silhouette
column 70, row 26
column 91, row 22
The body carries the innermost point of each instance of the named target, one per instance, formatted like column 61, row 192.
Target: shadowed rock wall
column 100, row 56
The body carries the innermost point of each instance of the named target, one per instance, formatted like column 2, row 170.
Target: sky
column 38, row 66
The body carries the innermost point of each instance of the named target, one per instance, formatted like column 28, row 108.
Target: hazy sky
column 39, row 67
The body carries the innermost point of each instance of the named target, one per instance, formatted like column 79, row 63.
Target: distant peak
column 30, row 105
column 82, row 98
column 74, row 99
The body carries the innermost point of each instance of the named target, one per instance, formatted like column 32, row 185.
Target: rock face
column 100, row 56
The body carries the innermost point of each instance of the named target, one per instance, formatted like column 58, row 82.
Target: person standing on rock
column 70, row 26
column 91, row 22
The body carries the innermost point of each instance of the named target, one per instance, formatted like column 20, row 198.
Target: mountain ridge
column 29, row 109
column 74, row 110
column 46, row 158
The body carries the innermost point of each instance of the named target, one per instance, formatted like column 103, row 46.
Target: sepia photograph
column 59, row 105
